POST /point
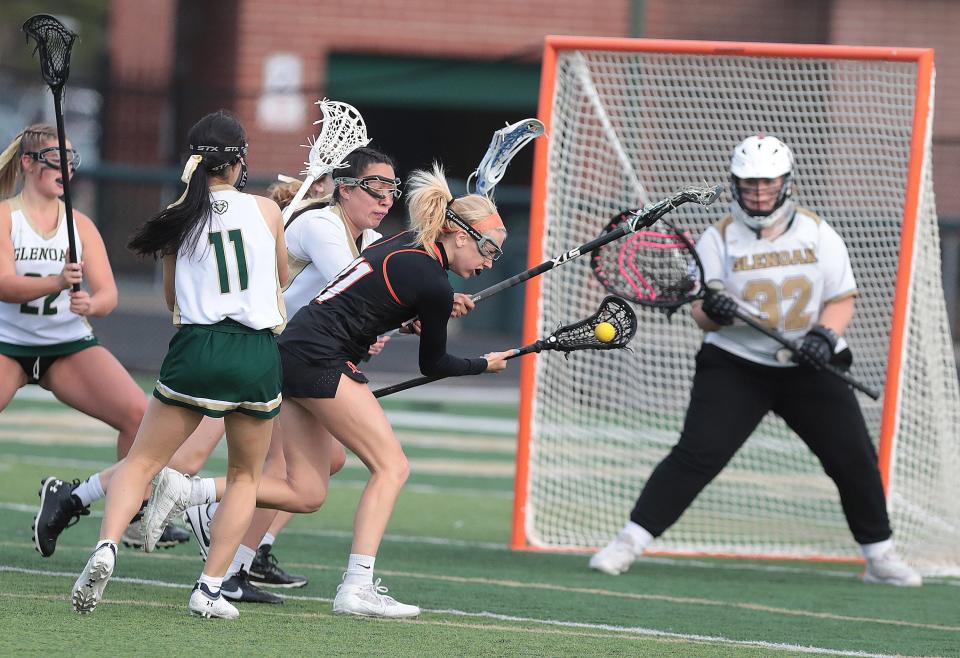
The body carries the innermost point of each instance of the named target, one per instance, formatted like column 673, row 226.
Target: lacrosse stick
column 661, row 269
column 505, row 144
column 342, row 130
column 54, row 43
column 582, row 335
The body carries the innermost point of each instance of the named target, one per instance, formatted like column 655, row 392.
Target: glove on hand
column 719, row 307
column 817, row 347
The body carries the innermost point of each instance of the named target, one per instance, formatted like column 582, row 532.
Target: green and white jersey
column 319, row 245
column 47, row 320
column 788, row 279
column 232, row 272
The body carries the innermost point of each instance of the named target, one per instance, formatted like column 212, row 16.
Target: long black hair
column 219, row 139
column 357, row 162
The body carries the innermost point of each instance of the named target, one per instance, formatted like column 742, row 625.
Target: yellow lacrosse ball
column 605, row 332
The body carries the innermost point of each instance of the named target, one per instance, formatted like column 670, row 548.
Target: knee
column 395, row 470
column 310, row 501
column 133, row 415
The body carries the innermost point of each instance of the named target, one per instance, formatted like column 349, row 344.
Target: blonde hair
column 30, row 139
column 428, row 196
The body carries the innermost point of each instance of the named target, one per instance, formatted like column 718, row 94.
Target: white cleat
column 370, row 601
column 88, row 590
column 170, row 498
column 890, row 569
column 198, row 520
column 203, row 605
column 616, row 557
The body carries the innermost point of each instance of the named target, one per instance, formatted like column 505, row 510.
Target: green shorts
column 221, row 368
column 35, row 360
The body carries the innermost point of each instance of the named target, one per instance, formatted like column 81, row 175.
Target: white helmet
column 762, row 157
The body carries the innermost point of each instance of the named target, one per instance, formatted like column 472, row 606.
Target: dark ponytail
column 216, row 142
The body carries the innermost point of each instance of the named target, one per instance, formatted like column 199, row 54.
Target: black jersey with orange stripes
column 393, row 281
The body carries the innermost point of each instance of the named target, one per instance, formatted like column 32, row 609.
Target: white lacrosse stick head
column 342, row 130
column 505, row 144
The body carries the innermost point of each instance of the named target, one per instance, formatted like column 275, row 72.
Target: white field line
column 618, row 630
column 516, row 584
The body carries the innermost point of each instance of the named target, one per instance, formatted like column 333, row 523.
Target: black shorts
column 303, row 380
column 35, row 360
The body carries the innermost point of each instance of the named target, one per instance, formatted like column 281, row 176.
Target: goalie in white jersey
column 786, row 262
column 224, row 261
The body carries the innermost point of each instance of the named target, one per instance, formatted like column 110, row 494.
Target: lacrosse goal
column 631, row 121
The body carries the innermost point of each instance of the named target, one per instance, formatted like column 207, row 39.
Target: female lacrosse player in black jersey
column 393, row 281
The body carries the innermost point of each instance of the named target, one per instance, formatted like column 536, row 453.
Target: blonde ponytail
column 30, row 139
column 427, row 197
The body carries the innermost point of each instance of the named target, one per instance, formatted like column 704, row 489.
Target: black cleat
column 59, row 509
column 266, row 572
column 239, row 588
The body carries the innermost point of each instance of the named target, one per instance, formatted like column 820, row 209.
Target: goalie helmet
column 762, row 157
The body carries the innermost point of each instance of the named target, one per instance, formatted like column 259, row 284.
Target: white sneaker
column 198, row 520
column 170, row 497
column 616, row 557
column 370, row 601
column 890, row 569
column 88, row 590
column 203, row 605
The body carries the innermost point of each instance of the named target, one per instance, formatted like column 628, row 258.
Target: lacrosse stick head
column 582, row 335
column 342, row 130
column 54, row 44
column 505, row 144
column 703, row 196
column 656, row 266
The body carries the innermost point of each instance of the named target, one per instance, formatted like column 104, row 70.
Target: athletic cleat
column 171, row 536
column 205, row 604
column 890, row 569
column 266, row 572
column 616, row 557
column 370, row 601
column 59, row 509
column 88, row 590
column 239, row 588
column 170, row 497
column 198, row 520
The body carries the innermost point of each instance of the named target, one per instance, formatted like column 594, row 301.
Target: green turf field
column 445, row 551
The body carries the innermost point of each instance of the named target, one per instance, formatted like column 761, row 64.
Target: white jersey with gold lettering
column 48, row 320
column 787, row 280
column 318, row 247
column 232, row 272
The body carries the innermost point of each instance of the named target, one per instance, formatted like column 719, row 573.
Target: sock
column 212, row 509
column 876, row 549
column 211, row 584
column 359, row 570
column 638, row 535
column 107, row 542
column 202, row 491
column 89, row 490
column 241, row 561
column 268, row 540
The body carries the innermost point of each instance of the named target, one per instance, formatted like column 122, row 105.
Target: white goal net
column 628, row 127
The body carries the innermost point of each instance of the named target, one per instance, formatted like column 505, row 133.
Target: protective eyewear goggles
column 487, row 246
column 379, row 187
column 50, row 157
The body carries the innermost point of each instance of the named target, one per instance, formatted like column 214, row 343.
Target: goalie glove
column 816, row 349
column 719, row 307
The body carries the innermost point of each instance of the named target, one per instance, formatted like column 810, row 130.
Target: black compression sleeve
column 434, row 310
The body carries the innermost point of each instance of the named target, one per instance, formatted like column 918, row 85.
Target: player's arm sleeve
column 325, row 244
column 433, row 307
column 834, row 259
column 710, row 249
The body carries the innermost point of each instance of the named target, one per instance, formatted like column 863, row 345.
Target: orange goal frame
column 556, row 44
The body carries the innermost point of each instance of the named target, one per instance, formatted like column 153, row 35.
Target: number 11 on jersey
column 236, row 237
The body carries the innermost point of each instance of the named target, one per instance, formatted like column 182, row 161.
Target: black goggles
column 379, row 187
column 50, row 157
column 487, row 246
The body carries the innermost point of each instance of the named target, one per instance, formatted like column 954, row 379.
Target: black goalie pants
column 729, row 398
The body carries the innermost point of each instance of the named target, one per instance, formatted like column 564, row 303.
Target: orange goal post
column 631, row 121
